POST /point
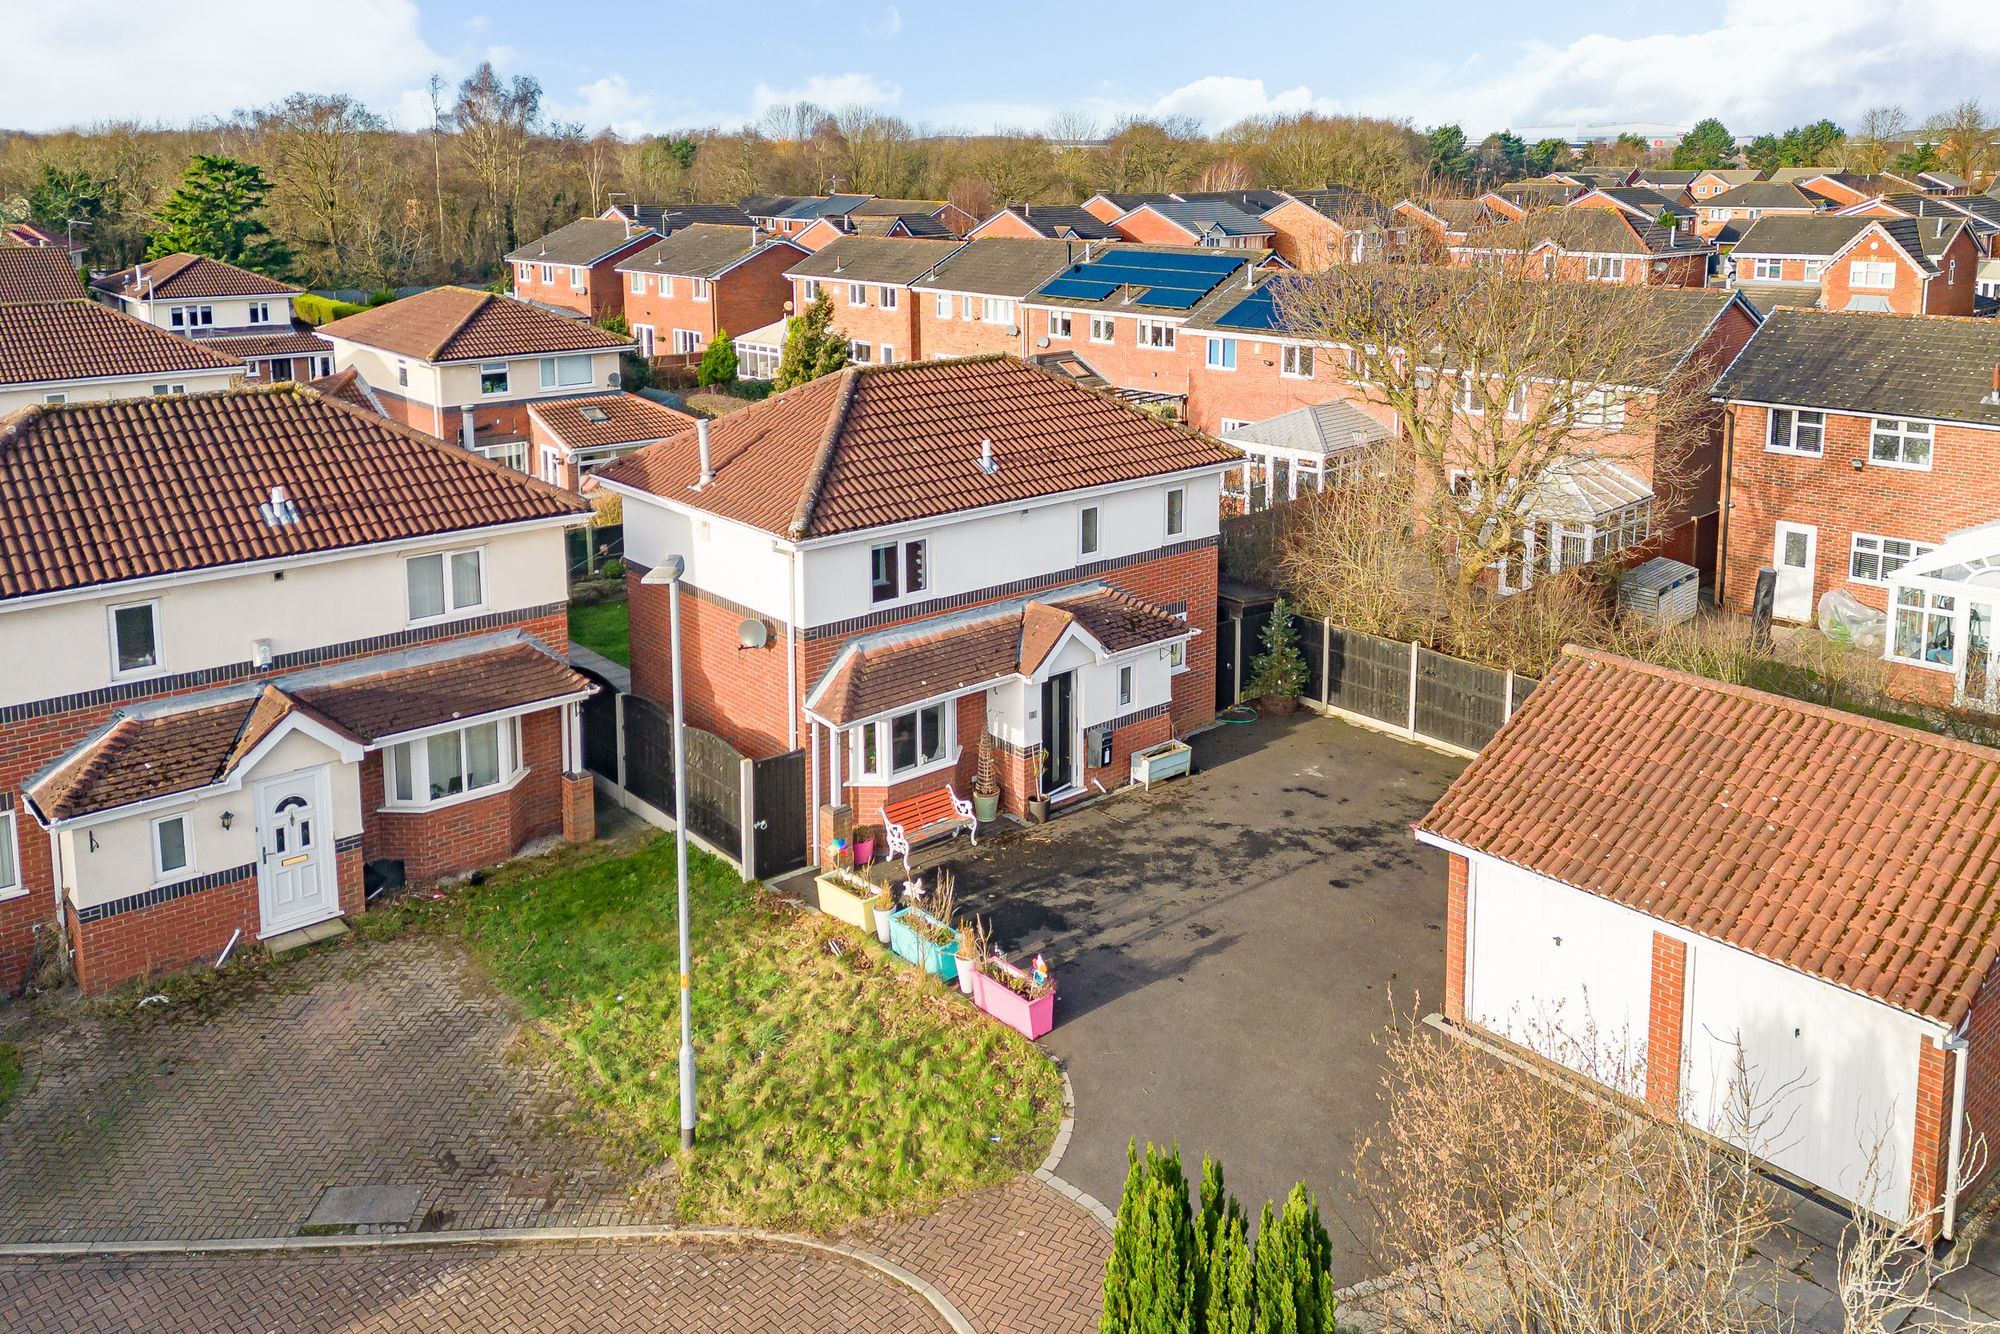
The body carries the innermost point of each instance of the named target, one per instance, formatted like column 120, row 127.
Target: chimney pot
column 701, row 446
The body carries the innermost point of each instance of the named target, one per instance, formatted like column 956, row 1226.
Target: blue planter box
column 904, row 939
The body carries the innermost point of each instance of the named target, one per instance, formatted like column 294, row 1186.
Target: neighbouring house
column 38, row 273
column 1671, row 180
column 933, row 550
column 1055, row 222
column 705, row 280
column 464, row 365
column 238, row 313
column 825, row 231
column 1243, row 365
column 1213, row 223
column 1725, row 213
column 1111, row 207
column 1858, row 445
column 793, row 215
column 28, row 236
column 1980, row 212
column 1296, row 454
column 1842, row 188
column 970, row 304
column 1736, row 908
column 205, row 735
column 1447, row 221
column 1900, row 264
column 1721, row 180
column 1315, row 229
column 1943, row 183
column 1524, row 197
column 572, row 437
column 1591, row 178
column 867, row 279
column 666, row 219
column 75, row 351
column 1607, row 244
column 574, row 268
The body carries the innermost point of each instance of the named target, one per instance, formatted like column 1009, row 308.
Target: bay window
column 458, row 763
column 445, row 582
column 906, row 743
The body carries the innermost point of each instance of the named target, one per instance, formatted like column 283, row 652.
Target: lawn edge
column 1046, row 1173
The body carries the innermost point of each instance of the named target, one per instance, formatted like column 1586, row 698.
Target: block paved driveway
column 1225, row 949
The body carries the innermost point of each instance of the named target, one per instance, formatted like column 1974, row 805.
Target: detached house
column 970, row 304
column 236, row 312
column 1719, row 180
column 465, row 365
column 573, row 268
column 1909, row 266
column 1859, row 447
column 702, row 282
column 1211, row 223
column 75, row 351
column 867, row 280
column 206, row 734
column 927, row 552
column 1725, row 214
column 1773, row 920
column 1607, row 244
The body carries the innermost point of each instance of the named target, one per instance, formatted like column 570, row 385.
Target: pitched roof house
column 969, row 304
column 867, row 279
column 1599, row 244
column 236, row 312
column 72, row 351
column 1058, row 222
column 571, row 270
column 218, row 714
column 704, row 282
column 37, row 273
column 1663, row 880
column 1205, row 222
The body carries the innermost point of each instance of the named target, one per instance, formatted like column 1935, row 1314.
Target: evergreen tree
column 718, row 361
column 1293, row 1278
column 1149, row 1281
column 1764, row 152
column 58, row 198
column 1280, row 670
column 813, row 347
column 1231, row 1307
column 1709, row 144
column 213, row 212
column 1446, row 153
column 1917, row 157
column 1810, row 145
column 1546, row 155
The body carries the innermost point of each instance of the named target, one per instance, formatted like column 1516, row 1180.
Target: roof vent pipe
column 987, row 463
column 1993, row 399
column 701, row 446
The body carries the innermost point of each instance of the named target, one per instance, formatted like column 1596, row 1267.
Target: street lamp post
column 669, row 572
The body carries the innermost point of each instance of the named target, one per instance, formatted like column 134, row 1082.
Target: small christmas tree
column 1279, row 672
column 718, row 361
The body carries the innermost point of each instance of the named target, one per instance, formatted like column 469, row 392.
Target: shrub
column 616, row 324
column 1149, row 1281
column 612, row 569
column 382, row 296
column 718, row 361
column 322, row 310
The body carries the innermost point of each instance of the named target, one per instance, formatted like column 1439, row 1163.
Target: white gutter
column 1958, row 1045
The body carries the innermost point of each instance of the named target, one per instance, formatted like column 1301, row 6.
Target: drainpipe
column 1722, row 509
column 792, row 702
column 1958, row 1045
column 56, row 879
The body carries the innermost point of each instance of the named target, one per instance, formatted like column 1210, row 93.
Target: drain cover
column 342, row 1205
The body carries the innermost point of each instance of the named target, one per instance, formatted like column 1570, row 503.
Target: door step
column 306, row 935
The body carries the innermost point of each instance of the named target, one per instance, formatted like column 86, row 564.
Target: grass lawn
column 10, row 1074
column 604, row 627
column 831, row 1087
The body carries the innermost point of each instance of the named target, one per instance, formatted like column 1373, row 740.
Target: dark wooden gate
column 600, row 730
column 714, row 789
column 649, row 753
column 784, row 823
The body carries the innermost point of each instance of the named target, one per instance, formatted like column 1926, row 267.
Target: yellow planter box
column 851, row 900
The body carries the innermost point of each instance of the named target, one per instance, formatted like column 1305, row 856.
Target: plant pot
column 1030, row 1018
column 1278, row 706
column 882, row 923
column 1038, row 810
column 986, row 809
column 967, row 970
column 914, row 945
column 842, row 897
column 864, row 851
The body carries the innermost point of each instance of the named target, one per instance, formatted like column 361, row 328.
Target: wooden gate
column 783, row 836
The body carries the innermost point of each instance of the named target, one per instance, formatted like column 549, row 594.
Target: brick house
column 1211, row 223
column 572, row 437
column 1244, row 366
column 465, row 365
column 1447, row 222
column 1726, row 213
column 1315, row 229
column 1596, row 244
column 1913, row 266
column 970, row 304
column 1720, row 180
column 1764, row 911
column 234, row 311
column 573, row 268
column 297, row 673
column 1054, row 222
column 935, row 550
column 666, row 219
column 1858, row 444
column 703, row 281
column 77, row 351
column 825, row 231
column 867, row 279
column 1843, row 188
column 1111, row 207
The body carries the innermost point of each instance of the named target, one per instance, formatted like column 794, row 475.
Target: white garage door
column 1558, row 970
column 1831, row 1077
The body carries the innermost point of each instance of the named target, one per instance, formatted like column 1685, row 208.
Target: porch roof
column 1323, row 429
column 1970, row 556
column 875, row 675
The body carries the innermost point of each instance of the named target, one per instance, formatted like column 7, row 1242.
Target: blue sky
column 1761, row 64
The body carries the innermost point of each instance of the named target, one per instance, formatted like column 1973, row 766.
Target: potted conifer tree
column 1278, row 674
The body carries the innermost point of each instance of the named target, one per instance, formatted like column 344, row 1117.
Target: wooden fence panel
column 1459, row 703
column 1369, row 676
column 714, row 788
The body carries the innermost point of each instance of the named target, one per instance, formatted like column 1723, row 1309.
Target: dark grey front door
column 1058, row 732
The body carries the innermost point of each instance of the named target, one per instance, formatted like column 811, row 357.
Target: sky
column 949, row 65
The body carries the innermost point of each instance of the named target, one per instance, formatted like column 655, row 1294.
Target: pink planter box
column 1029, row 1018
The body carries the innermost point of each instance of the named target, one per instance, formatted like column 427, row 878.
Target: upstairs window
column 809, row 289
column 898, row 569
column 1124, row 687
column 1796, row 431
column 857, row 294
column 493, row 378
column 445, row 582
column 638, row 284
column 173, row 846
column 886, row 297
column 1222, row 354
column 548, row 273
column 1894, row 443
column 565, row 372
column 1103, row 329
column 191, row 317
column 1087, row 534
column 1176, row 511
column 1059, row 324
column 1770, row 269
column 1812, row 268
column 1157, row 334
column 260, row 312
column 996, row 310
column 1601, row 408
column 1877, row 274
column 135, row 639
column 1296, row 363
column 698, row 289
column 944, row 305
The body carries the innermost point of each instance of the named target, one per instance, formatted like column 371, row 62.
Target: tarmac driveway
column 1226, row 949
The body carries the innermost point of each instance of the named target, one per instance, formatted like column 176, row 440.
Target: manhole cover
column 344, row 1205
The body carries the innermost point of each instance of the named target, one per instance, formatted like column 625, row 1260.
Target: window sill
column 455, row 799
column 1899, row 467
column 13, row 892
column 1795, row 453
column 461, row 614
column 944, row 765
column 1946, row 667
column 174, row 877
column 143, row 674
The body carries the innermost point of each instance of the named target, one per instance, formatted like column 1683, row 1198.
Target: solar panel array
column 1163, row 279
column 1257, row 312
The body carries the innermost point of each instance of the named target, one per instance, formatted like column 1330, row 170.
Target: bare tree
column 1890, row 1272
column 1964, row 136
column 495, row 120
column 1876, row 139
column 318, row 144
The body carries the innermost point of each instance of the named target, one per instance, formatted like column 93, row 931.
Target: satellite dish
column 1014, row 331
column 753, row 633
column 1043, row 341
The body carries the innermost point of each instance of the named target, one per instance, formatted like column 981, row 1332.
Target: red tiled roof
column 885, row 444
column 628, row 419
column 142, row 758
column 348, row 387
column 52, row 341
column 38, row 273
column 178, row 277
column 459, row 324
column 1856, row 851
column 434, row 693
column 92, row 493
column 275, row 343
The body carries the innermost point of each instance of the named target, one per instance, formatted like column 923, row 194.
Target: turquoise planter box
column 937, row 960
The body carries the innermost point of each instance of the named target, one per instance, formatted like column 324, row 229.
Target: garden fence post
column 747, row 780
column 1507, row 710
column 1413, row 689
column 1325, row 661
column 618, row 732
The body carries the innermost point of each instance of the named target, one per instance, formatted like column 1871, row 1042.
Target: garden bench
column 926, row 816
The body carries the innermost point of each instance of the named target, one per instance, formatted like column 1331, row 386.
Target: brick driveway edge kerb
column 1046, row 1173
column 44, row 1250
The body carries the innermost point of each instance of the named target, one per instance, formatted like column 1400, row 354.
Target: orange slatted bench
column 926, row 816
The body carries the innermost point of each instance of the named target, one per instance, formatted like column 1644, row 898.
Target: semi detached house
column 886, row 561
column 242, row 666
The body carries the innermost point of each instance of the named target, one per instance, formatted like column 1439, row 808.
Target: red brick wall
column 1306, row 237
column 1906, row 298
column 1982, row 1086
column 748, row 297
column 1665, row 1024
column 1257, row 389
column 735, row 692
column 1929, row 1155
column 1454, row 938
column 870, row 323
column 960, row 337
column 603, row 294
column 1122, row 361
column 1146, row 226
column 505, row 419
column 1007, row 223
column 1103, row 210
column 1125, row 740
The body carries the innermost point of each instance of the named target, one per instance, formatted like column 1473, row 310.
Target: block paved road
column 549, row 1289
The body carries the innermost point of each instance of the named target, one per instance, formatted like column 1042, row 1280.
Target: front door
column 296, row 881
column 1058, row 733
column 1794, row 549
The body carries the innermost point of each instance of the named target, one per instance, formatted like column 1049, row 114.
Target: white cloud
column 892, row 22
column 1220, row 100
column 611, row 102
column 832, row 91
column 73, row 64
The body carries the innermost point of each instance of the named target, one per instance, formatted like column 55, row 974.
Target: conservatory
column 1941, row 609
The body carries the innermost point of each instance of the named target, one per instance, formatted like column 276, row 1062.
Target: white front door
column 1794, row 549
column 297, row 884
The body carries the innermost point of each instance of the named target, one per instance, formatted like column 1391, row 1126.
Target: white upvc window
column 905, row 744
column 548, row 274
column 665, row 282
column 577, row 275
column 1517, row 402
column 1469, row 396
column 1812, row 269
column 898, row 569
column 492, row 378
column 1923, row 632
column 860, row 353
column 508, row 453
column 565, row 372
column 888, row 354
column 638, row 284
column 135, row 640
column 698, row 289
column 857, row 294
column 260, row 312
column 1177, row 651
column 1895, row 443
column 162, row 390
column 1877, row 274
column 173, row 847
column 1103, row 329
column 944, row 305
column 687, row 341
column 1059, row 326
column 1605, row 268
column 11, row 885
column 1795, row 431
column 1087, row 535
column 451, row 766
column 1295, row 362
column 1222, row 354
column 191, row 317
column 1767, row 269
column 524, row 273
column 55, row 398
column 403, row 374
column 1872, row 558
column 887, row 297
column 445, row 583
column 1601, row 408
column 996, row 310
column 809, row 289
column 1156, row 334
column 1124, row 687
column 1176, row 510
